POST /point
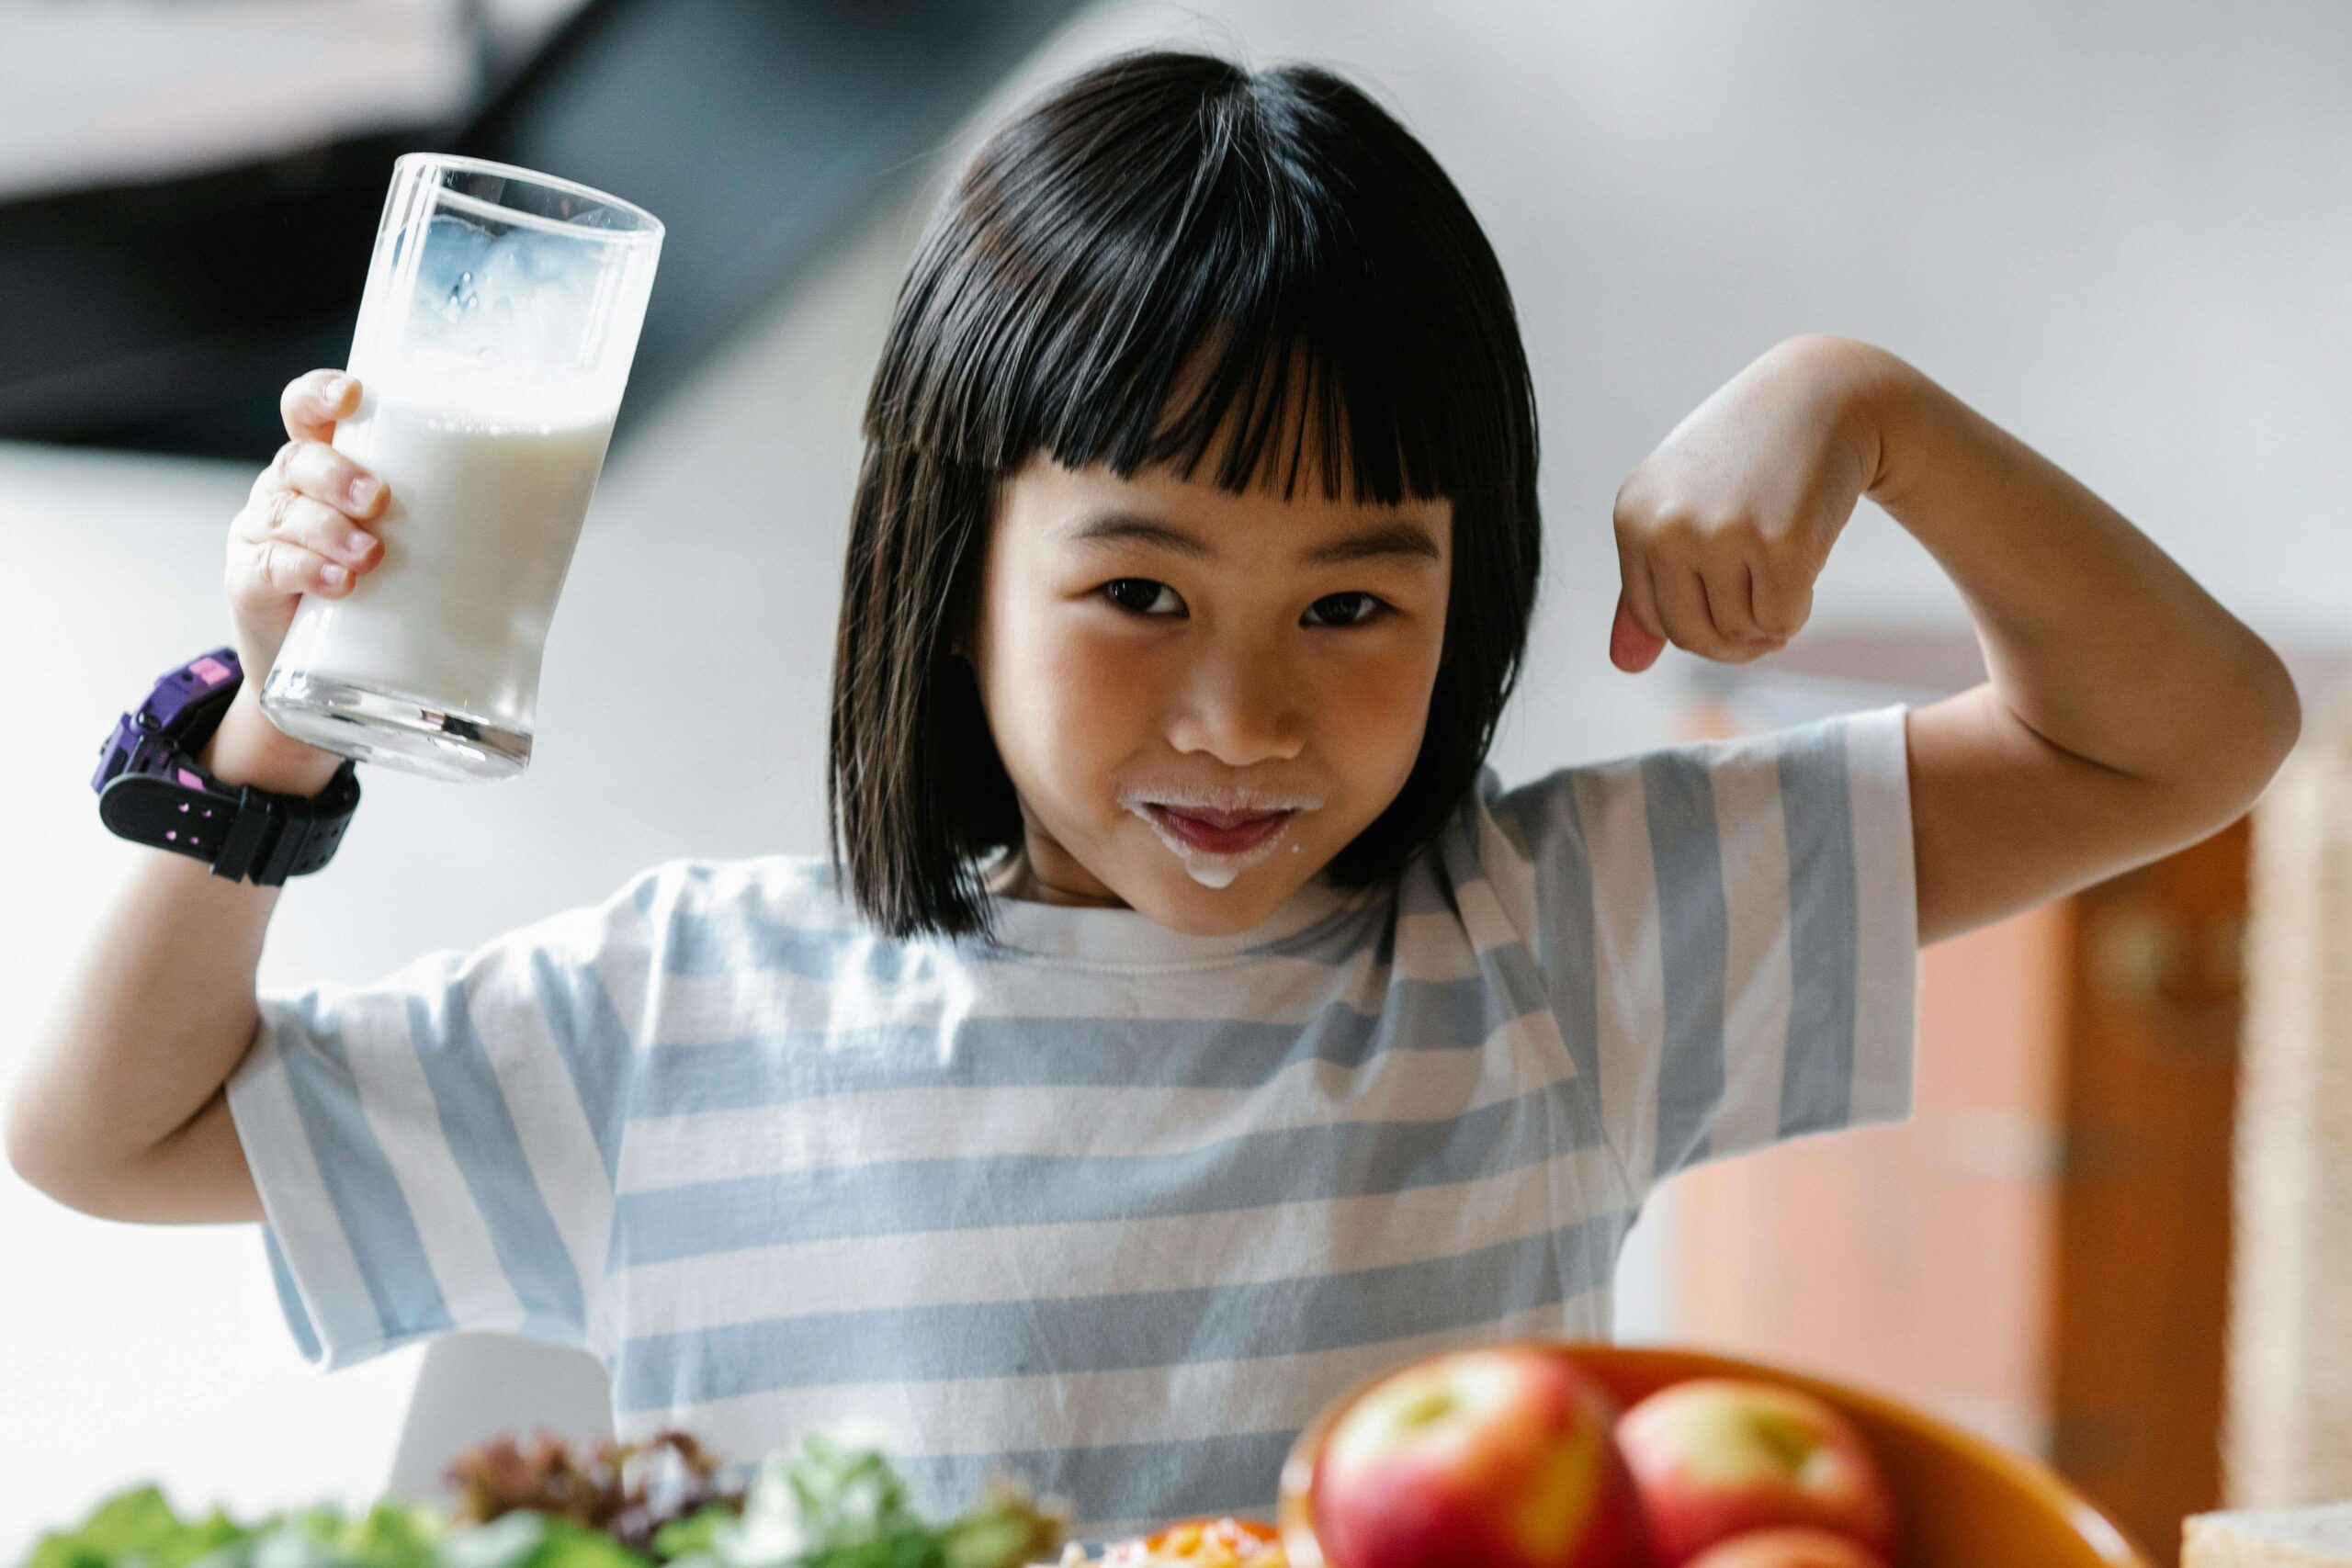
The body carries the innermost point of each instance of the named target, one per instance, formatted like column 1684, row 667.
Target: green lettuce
column 820, row 1505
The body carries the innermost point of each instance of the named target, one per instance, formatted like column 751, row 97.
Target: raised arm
column 2128, row 713
column 121, row 1109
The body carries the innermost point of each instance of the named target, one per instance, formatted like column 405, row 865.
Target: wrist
column 247, row 749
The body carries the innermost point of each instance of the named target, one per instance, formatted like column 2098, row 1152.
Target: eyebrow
column 1399, row 536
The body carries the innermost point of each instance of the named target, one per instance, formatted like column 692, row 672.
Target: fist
column 305, row 528
column 1721, row 530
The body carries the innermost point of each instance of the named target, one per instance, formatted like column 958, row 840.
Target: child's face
column 1122, row 671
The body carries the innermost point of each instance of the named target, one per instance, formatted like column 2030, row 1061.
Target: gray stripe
column 289, row 1300
column 1816, row 1081
column 482, row 1137
column 1060, row 1053
column 595, row 1043
column 1062, row 1335
column 1251, row 1170
column 1687, row 857
column 1542, row 818
column 359, row 1182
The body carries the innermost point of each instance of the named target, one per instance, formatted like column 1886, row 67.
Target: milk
column 490, row 482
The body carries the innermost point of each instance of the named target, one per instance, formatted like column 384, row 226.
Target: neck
column 1018, row 878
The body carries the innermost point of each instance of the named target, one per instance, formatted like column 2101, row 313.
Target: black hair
column 1286, row 244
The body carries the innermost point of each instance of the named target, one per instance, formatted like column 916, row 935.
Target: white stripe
column 699, row 1009
column 1886, row 916
column 1190, row 1399
column 559, row 1144
column 1756, row 974
column 1433, row 946
column 1016, row 1263
column 622, row 944
column 294, row 1200
column 1628, row 968
column 397, row 1103
column 1512, row 877
column 1398, row 1085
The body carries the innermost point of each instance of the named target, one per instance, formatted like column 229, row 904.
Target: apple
column 1496, row 1456
column 1786, row 1549
column 1712, row 1458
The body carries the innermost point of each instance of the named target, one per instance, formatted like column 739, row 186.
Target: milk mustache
column 490, row 481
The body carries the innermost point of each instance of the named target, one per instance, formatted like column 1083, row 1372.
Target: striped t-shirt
column 1102, row 1205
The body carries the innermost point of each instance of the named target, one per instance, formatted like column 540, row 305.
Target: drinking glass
column 496, row 334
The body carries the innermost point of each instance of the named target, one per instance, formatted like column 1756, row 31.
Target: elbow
column 2280, row 724
column 45, row 1162
column 34, row 1158
column 2267, row 721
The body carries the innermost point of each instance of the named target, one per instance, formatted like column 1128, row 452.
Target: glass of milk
column 496, row 334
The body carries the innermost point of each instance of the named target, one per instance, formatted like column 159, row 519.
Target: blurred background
column 2119, row 231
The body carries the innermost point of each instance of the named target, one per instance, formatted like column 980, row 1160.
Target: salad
column 651, row 1504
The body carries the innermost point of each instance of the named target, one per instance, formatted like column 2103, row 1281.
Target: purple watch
column 152, row 791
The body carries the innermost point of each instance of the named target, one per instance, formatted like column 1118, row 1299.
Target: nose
column 1242, row 705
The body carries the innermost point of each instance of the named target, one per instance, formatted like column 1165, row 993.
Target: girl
column 1186, row 1023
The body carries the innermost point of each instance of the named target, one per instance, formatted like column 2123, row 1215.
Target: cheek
column 1073, row 694
column 1377, row 703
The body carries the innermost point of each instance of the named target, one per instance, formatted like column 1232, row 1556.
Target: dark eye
column 1142, row 595
column 1347, row 609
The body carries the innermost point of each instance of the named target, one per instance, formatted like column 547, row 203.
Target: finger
column 1631, row 649
column 1682, row 606
column 1724, row 580
column 283, row 566
column 1636, row 592
column 1740, row 653
column 1783, row 603
column 286, row 516
column 312, row 401
column 324, row 474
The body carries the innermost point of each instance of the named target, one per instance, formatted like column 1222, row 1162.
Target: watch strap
column 242, row 831
column 152, row 790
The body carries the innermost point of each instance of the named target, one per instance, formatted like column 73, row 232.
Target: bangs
column 1275, row 277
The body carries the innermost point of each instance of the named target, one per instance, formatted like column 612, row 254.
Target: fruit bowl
column 1964, row 1501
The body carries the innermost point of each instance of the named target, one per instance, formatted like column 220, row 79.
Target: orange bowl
column 1963, row 1501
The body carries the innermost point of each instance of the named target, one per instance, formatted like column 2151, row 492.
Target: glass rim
column 650, row 232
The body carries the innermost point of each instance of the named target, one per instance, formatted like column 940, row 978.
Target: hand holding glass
column 495, row 335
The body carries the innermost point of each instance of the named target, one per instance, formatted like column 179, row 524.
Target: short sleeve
column 1728, row 933
column 437, row 1151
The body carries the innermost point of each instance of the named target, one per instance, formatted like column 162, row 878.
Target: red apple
column 1786, row 1549
column 1497, row 1457
column 1714, row 1457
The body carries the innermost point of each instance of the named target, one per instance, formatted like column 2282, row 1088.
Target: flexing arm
column 2128, row 713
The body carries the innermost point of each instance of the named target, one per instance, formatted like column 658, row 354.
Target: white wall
column 2117, row 230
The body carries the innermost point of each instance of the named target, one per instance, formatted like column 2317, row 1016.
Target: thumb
column 1631, row 649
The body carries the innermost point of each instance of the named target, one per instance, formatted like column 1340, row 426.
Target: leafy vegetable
column 138, row 1529
column 629, row 1491
column 821, row 1506
column 137, row 1525
column 827, row 1505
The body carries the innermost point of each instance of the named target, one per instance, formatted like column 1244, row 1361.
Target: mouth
column 1218, row 832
